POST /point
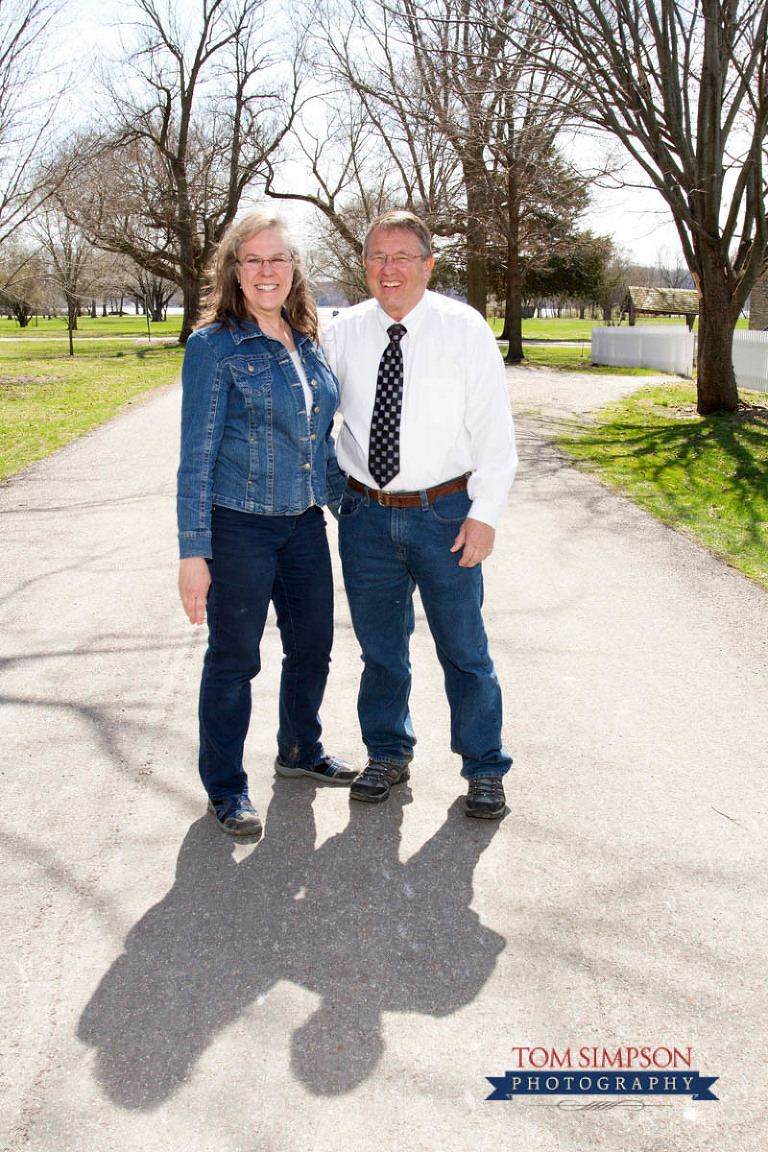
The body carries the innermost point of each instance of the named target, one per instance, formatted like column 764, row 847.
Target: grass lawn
column 48, row 398
column 573, row 358
column 108, row 327
column 547, row 330
column 706, row 477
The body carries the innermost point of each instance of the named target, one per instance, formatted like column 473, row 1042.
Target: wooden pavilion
column 661, row 302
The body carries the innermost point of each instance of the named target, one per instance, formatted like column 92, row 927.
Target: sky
column 639, row 222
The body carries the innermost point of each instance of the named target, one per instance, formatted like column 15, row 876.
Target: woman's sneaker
column 236, row 816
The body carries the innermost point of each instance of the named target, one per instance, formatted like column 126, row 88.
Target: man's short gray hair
column 408, row 221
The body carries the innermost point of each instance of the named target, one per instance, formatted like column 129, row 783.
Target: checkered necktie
column 384, row 447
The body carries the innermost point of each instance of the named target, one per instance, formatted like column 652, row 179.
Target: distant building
column 661, row 302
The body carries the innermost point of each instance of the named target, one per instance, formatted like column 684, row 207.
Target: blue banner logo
column 627, row 1083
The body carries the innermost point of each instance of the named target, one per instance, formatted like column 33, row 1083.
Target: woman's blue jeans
column 256, row 559
column 386, row 553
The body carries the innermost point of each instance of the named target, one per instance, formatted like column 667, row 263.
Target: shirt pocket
column 252, row 375
column 435, row 407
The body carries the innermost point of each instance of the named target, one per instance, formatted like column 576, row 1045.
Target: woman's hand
column 194, row 582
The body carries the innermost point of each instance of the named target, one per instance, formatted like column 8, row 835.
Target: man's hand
column 194, row 582
column 476, row 538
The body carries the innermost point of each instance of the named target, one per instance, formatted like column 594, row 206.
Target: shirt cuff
column 486, row 511
column 195, row 544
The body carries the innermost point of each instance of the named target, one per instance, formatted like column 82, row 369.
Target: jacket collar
column 249, row 329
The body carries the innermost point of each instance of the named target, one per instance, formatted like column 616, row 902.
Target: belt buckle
column 384, row 499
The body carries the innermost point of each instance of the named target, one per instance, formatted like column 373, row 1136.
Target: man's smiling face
column 397, row 271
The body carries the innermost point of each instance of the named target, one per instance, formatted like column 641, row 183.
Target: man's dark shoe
column 374, row 782
column 485, row 798
column 236, row 816
column 329, row 770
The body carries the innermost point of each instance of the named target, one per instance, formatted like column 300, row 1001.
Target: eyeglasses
column 399, row 260
column 256, row 264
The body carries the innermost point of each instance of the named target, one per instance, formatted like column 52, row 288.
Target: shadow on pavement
column 349, row 921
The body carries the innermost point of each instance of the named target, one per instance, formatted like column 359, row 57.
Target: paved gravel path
column 350, row 981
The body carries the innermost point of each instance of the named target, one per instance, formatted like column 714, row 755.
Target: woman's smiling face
column 265, row 286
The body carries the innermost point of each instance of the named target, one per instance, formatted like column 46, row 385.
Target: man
column 428, row 446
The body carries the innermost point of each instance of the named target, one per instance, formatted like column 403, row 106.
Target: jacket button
column 313, row 383
column 316, row 409
column 313, row 437
column 306, row 466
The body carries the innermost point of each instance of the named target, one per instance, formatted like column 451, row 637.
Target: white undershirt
column 304, row 382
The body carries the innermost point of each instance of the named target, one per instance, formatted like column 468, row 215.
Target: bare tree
column 154, row 292
column 337, row 254
column 672, row 271
column 21, row 281
column 426, row 74
column 363, row 161
column 27, row 106
column 68, row 261
column 684, row 88
column 539, row 200
column 464, row 126
column 616, row 279
column 199, row 107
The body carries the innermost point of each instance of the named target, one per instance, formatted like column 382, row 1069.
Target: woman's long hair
column 223, row 301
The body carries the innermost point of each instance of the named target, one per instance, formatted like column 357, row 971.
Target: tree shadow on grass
column 678, row 460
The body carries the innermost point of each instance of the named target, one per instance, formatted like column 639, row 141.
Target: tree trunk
column 477, row 287
column 515, row 314
column 191, row 300
column 715, row 379
column 477, row 278
column 514, row 298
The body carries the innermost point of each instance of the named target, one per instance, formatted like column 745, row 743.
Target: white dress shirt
column 456, row 416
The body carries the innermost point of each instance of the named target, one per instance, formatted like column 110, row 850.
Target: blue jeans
column 256, row 559
column 385, row 554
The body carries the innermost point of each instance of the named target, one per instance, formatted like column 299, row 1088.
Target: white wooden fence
column 671, row 349
column 750, row 360
column 667, row 349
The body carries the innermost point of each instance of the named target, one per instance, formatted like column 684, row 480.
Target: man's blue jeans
column 386, row 553
column 256, row 559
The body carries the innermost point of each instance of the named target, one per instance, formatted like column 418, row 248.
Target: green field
column 48, row 398
column 108, row 327
column 546, row 330
column 572, row 358
column 705, row 477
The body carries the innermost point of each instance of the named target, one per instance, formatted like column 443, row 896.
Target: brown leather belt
column 408, row 499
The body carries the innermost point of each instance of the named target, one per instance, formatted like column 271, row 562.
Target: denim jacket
column 246, row 440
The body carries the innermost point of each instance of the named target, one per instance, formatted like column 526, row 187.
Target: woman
column 256, row 460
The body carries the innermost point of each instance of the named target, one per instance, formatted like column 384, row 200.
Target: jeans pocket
column 451, row 509
column 350, row 505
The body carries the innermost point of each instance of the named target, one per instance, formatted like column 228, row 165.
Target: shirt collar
column 411, row 321
column 248, row 328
